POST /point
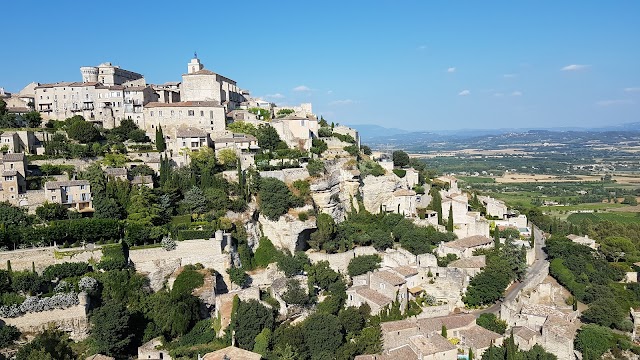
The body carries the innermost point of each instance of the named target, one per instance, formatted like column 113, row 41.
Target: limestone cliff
column 378, row 190
column 288, row 232
column 335, row 192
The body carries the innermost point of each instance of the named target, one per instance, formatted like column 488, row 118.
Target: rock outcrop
column 378, row 191
column 288, row 232
column 335, row 193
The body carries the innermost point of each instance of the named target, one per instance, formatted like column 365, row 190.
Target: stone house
column 378, row 289
column 208, row 116
column 458, row 203
column 143, row 180
column 150, row 351
column 200, row 84
column 478, row 339
column 74, row 194
column 237, row 142
column 402, row 202
column 421, row 347
column 296, row 131
column 231, row 353
column 493, row 206
column 14, row 183
column 524, row 337
column 18, row 142
column 471, row 265
column 449, row 181
column 464, row 248
column 190, row 138
column 116, row 174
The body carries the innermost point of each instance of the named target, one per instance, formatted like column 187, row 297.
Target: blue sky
column 417, row 65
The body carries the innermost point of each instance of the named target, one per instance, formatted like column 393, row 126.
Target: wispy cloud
column 464, row 92
column 275, row 96
column 451, row 70
column 516, row 93
column 575, row 67
column 509, row 76
column 329, row 92
column 342, row 102
column 632, row 89
column 302, row 88
column 498, row 94
column 614, row 102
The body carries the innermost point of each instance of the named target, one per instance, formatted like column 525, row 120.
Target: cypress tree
column 161, row 145
column 33, row 267
column 9, row 268
column 436, row 203
column 443, row 332
column 450, row 219
column 470, row 354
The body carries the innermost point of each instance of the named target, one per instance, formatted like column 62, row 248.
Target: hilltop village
column 190, row 220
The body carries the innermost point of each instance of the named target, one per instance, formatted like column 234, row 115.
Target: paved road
column 514, row 290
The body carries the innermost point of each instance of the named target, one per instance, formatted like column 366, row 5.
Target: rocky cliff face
column 335, row 193
column 288, row 232
column 378, row 190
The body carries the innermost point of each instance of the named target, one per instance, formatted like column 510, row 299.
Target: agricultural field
column 621, row 217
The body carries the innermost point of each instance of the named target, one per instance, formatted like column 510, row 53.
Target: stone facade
column 207, row 116
column 74, row 194
column 199, row 84
column 14, row 183
column 152, row 351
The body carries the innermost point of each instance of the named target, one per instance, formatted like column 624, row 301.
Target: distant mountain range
column 380, row 133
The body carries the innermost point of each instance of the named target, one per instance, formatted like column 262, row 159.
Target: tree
column 250, row 319
column 617, row 247
column 322, row 334
column 604, row 312
column 195, row 201
column 326, row 231
column 492, row 322
column 630, row 200
column 48, row 345
column 275, row 198
column 111, row 331
column 315, row 167
column 365, row 150
column 262, row 340
column 12, row 215
column 161, row 144
column 436, row 202
column 363, row 264
column 268, row 137
column 52, row 211
column 8, row 335
column 238, row 276
column 33, row 119
column 227, row 157
column 82, row 131
column 443, row 331
column 242, row 127
column 353, row 319
column 593, row 341
column 295, row 294
column 400, row 158
column 450, row 219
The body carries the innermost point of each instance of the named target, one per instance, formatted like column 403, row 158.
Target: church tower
column 195, row 65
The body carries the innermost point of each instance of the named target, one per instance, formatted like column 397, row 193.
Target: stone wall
column 73, row 320
column 287, row 175
column 340, row 261
column 43, row 257
column 288, row 232
column 157, row 263
column 435, row 311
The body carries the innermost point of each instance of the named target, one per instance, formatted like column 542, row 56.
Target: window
column 172, row 112
column 81, row 187
column 191, row 112
column 184, row 143
column 84, row 197
column 382, row 286
column 201, row 113
column 152, row 113
column 211, row 114
column 159, row 113
column 53, row 198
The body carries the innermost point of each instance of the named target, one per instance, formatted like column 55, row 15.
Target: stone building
column 14, row 183
column 108, row 74
column 231, row 353
column 464, row 248
column 199, row 84
column 583, row 240
column 151, row 351
column 208, row 116
column 237, row 142
column 190, row 138
column 74, row 194
column 493, row 206
column 297, row 132
column 378, row 289
column 478, row 339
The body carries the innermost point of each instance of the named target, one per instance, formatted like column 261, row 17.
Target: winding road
column 535, row 268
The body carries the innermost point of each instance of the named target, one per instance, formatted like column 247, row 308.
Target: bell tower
column 194, row 65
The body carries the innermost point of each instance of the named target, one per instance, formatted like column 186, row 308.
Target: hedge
column 194, row 234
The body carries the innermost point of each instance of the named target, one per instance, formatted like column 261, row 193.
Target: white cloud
column 516, row 93
column 614, row 102
column 275, row 96
column 464, row 92
column 451, row 70
column 302, row 88
column 632, row 89
column 329, row 92
column 574, row 67
column 342, row 102
column 509, row 76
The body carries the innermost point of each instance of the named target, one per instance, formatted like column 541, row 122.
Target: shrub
column 400, row 172
column 266, row 253
column 316, row 167
column 65, row 270
column 194, row 234
column 363, row 264
column 186, row 282
column 275, row 198
column 168, row 243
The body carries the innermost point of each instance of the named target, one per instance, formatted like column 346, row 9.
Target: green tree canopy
column 400, row 158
